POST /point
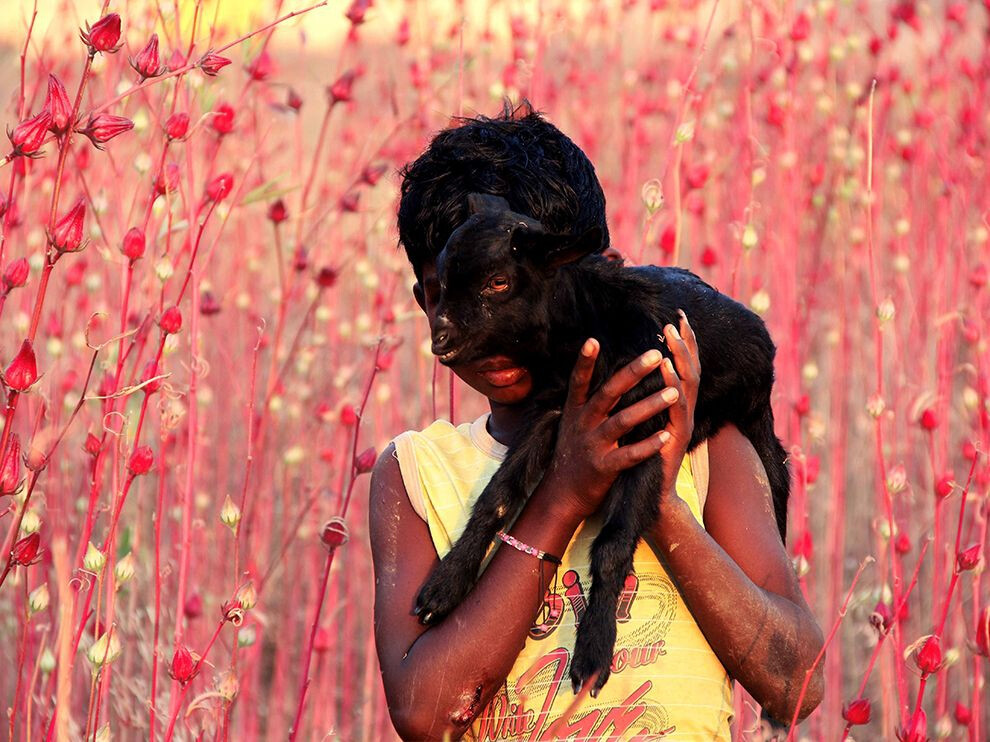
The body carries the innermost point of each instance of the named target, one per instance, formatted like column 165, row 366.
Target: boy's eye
column 497, row 284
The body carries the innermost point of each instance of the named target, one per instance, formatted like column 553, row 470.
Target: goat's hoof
column 441, row 594
column 588, row 668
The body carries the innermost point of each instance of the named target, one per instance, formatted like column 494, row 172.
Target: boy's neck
column 506, row 421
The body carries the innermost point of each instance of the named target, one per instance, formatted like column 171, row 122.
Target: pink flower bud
column 365, row 461
column 882, row 618
column 300, row 259
column 141, row 460
column 170, row 321
column 928, row 658
column 176, row 62
column 334, row 534
column 184, row 668
column 403, row 35
column 23, row 370
column 10, row 472
column 222, row 120
column 902, row 543
column 28, row 136
column 963, row 715
column 916, row 729
column 104, row 126
column 277, row 212
column 167, row 181
column 373, row 173
column 293, row 100
column 969, row 558
column 193, row 607
column 349, row 201
column 208, row 304
column 696, row 175
column 212, row 63
column 133, row 245
column 928, row 419
column 322, row 640
column 177, row 125
column 147, row 62
column 92, row 445
column 57, row 104
column 944, row 484
column 150, row 372
column 979, row 276
column 103, row 35
column 25, row 552
column 262, row 66
column 220, row 187
column 356, row 12
column 68, row 233
column 348, row 415
column 326, row 277
column 341, row 90
column 16, row 274
column 801, row 28
column 857, row 712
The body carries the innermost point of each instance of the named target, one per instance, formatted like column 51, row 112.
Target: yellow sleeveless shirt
column 666, row 681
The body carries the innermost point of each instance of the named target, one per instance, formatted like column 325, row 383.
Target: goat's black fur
column 560, row 295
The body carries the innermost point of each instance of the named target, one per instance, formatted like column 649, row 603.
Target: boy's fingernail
column 588, row 348
column 664, row 437
column 675, row 333
column 669, row 364
column 669, row 394
column 683, row 316
column 651, row 357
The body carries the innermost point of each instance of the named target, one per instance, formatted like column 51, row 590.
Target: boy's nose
column 443, row 335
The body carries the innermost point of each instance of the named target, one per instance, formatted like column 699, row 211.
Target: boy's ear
column 479, row 203
column 419, row 296
column 573, row 250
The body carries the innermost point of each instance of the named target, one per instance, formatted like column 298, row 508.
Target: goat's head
column 496, row 275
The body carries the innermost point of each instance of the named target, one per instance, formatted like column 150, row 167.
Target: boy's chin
column 507, row 395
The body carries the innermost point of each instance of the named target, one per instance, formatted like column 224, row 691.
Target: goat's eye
column 497, row 284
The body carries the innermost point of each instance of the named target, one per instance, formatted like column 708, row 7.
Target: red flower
column 300, row 259
column 348, row 415
column 709, row 257
column 177, row 125
column 277, row 212
column 146, row 62
column 293, row 100
column 349, row 201
column 220, row 187
column 944, row 484
column 365, row 461
column 929, row 657
column 10, row 472
column 23, row 370
column 141, row 460
column 25, row 551
column 803, row 405
column 133, row 244
column 222, row 120
column 341, row 90
column 170, row 321
column 262, row 66
column 68, row 233
column 212, row 63
column 857, row 712
column 92, row 445
column 882, row 618
column 355, row 14
column 801, row 28
column 928, row 419
column 208, row 304
column 184, row 667
column 916, row 729
column 58, row 106
column 978, row 276
column 334, row 533
column 969, row 558
column 150, row 372
column 696, row 175
column 28, row 136
column 104, row 126
column 16, row 274
column 373, row 173
column 104, row 34
column 167, row 181
column 902, row 544
column 193, row 607
column 963, row 715
column 326, row 277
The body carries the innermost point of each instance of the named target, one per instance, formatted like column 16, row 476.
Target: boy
column 712, row 596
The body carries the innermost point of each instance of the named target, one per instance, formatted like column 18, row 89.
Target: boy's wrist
column 557, row 501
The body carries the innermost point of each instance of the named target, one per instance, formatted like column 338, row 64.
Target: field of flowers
column 206, row 330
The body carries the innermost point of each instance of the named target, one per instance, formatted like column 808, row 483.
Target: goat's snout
column 444, row 339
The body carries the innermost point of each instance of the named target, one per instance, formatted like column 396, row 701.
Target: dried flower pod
column 262, row 67
column 928, row 656
column 104, row 650
column 212, row 63
column 147, row 62
column 22, row 372
column 334, row 533
column 103, row 35
column 184, row 666
column 94, row 559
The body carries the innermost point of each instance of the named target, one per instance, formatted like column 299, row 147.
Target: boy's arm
column 738, row 582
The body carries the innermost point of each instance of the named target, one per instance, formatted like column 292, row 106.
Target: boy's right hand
column 588, row 457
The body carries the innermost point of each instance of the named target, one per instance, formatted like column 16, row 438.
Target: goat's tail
column 761, row 434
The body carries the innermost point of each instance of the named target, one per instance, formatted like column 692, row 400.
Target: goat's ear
column 529, row 238
column 571, row 251
column 479, row 203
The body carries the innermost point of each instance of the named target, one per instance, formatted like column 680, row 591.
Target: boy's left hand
column 685, row 375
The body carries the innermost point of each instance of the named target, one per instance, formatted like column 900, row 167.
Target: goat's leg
column 632, row 508
column 452, row 579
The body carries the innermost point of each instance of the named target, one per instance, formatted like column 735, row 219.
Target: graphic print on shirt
column 532, row 707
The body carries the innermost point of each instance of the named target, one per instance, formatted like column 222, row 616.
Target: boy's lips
column 500, row 371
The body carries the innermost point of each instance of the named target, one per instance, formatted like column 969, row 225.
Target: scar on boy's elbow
column 411, row 723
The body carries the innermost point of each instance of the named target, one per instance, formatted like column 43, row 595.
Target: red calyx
column 969, row 558
column 141, row 460
column 177, row 125
column 212, row 63
column 104, row 126
column 28, row 136
column 365, row 461
column 25, row 552
column 68, row 233
column 170, row 321
column 133, row 245
column 58, row 106
column 184, row 667
column 16, row 274
column 342, row 88
column 10, row 472
column 22, row 372
column 222, row 121
column 103, row 35
column 277, row 212
column 220, row 187
column 857, row 712
column 147, row 62
column 929, row 657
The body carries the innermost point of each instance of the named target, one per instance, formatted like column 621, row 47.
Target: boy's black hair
column 519, row 156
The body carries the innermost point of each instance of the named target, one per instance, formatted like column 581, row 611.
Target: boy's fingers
column 622, row 381
column 682, row 354
column 687, row 332
column 577, row 390
column 637, row 453
column 679, row 409
column 625, row 420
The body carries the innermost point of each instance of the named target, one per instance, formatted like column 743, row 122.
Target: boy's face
column 499, row 377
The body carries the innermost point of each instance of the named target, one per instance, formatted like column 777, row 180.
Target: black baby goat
column 557, row 294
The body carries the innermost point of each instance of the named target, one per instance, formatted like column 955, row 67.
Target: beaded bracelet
column 526, row 548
